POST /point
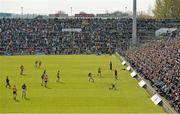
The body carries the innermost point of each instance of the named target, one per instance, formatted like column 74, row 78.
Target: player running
column 90, row 78
column 14, row 92
column 40, row 63
column 113, row 86
column 24, row 88
column 36, row 64
column 58, row 76
column 99, row 71
column 42, row 77
column 45, row 80
column 21, row 70
column 116, row 74
column 7, row 83
column 110, row 65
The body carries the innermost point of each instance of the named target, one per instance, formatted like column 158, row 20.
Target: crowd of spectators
column 97, row 35
column 28, row 35
column 159, row 62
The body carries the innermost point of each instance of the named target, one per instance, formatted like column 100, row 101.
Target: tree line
column 167, row 9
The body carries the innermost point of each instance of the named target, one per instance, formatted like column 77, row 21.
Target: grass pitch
column 74, row 93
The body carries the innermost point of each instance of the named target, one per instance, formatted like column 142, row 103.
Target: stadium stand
column 26, row 36
column 29, row 36
column 159, row 62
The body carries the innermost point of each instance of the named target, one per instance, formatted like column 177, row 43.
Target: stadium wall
column 152, row 91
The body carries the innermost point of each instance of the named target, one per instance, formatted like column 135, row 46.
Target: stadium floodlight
column 126, row 9
column 134, row 29
column 71, row 11
column 22, row 12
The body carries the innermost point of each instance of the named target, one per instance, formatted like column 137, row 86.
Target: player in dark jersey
column 40, row 63
column 45, row 80
column 36, row 64
column 116, row 74
column 24, row 88
column 21, row 70
column 58, row 76
column 44, row 72
column 113, row 86
column 99, row 71
column 42, row 77
column 90, row 78
column 14, row 92
column 110, row 65
column 8, row 83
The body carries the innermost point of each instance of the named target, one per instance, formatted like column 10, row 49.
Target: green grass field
column 74, row 93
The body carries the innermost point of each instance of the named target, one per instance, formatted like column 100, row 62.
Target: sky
column 89, row 6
